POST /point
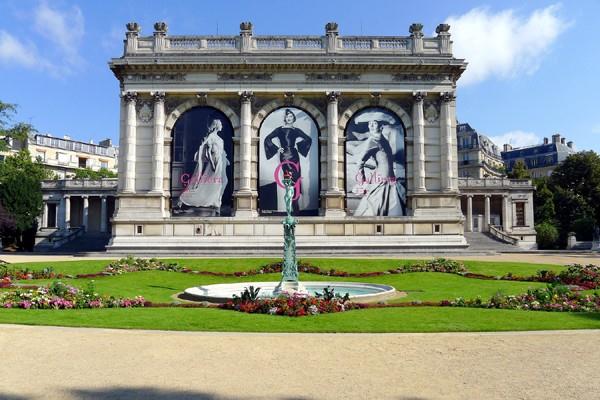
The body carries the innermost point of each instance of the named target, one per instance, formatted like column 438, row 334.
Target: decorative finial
column 416, row 30
column 160, row 27
column 246, row 26
column 442, row 28
column 331, row 27
column 133, row 27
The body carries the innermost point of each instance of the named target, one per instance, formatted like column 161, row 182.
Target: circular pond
column 358, row 292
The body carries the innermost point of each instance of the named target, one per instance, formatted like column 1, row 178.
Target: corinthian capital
column 447, row 96
column 419, row 96
column 246, row 96
column 159, row 97
column 129, row 96
column 333, row 96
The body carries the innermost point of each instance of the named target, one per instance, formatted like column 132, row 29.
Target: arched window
column 289, row 144
column 375, row 164
column 202, row 164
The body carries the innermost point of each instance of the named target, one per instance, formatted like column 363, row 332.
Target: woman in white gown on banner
column 383, row 192
column 206, row 186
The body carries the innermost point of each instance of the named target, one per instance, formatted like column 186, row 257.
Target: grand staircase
column 483, row 242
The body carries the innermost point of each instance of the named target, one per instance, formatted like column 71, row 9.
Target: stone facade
column 246, row 78
column 478, row 156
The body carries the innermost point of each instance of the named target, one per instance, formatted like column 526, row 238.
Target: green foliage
column 543, row 202
column 519, row 171
column 579, row 175
column 570, row 207
column 249, row 294
column 8, row 130
column 547, row 235
column 88, row 173
column 584, row 228
column 329, row 294
column 20, row 188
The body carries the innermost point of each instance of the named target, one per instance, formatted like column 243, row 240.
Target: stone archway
column 385, row 103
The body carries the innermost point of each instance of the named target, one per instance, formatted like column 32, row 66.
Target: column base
column 334, row 203
column 245, row 202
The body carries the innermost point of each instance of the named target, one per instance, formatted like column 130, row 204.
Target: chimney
column 67, row 137
column 563, row 140
column 570, row 144
column 556, row 138
column 507, row 147
column 105, row 143
column 545, row 140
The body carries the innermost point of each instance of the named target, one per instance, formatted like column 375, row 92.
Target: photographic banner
column 289, row 145
column 375, row 164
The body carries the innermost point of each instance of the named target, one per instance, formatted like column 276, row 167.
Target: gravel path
column 80, row 363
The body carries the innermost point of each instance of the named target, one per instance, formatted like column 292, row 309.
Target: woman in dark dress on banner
column 289, row 142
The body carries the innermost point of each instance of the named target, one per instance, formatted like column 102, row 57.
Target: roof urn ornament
column 442, row 29
column 246, row 27
column 416, row 30
column 331, row 28
column 133, row 27
column 160, row 27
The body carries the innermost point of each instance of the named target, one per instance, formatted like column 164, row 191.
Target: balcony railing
column 493, row 183
column 104, row 184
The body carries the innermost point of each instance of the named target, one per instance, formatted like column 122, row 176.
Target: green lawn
column 159, row 287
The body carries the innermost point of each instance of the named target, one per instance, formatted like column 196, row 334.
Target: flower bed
column 27, row 274
column 584, row 276
column 61, row 296
column 550, row 298
column 293, row 306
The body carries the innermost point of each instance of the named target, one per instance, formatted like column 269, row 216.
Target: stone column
column 103, row 216
column 160, row 31
column 246, row 140
column 446, row 141
column 529, row 211
column 331, row 33
column 131, row 38
column 85, row 213
column 158, row 142
column 418, row 142
column 416, row 34
column 130, row 143
column 332, row 141
column 67, row 208
column 486, row 217
column 45, row 216
column 245, row 197
column 334, row 197
column 505, row 211
column 246, row 36
column 469, row 213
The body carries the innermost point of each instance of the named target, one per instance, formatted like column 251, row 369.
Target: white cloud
column 64, row 28
column 12, row 50
column 503, row 44
column 516, row 139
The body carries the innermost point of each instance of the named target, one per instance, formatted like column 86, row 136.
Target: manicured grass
column 420, row 319
column 160, row 286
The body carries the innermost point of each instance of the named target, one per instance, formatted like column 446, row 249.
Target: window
column 41, row 155
column 62, row 158
column 82, row 162
column 520, row 211
column 104, row 164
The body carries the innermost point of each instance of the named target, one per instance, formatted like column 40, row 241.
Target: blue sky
column 533, row 65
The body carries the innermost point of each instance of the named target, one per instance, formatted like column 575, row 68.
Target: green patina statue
column 290, row 265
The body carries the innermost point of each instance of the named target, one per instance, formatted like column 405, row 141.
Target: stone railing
column 503, row 236
column 105, row 184
column 493, row 183
column 246, row 42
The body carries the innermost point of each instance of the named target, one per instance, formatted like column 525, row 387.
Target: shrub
column 547, row 235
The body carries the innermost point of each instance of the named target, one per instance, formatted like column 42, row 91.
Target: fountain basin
column 358, row 292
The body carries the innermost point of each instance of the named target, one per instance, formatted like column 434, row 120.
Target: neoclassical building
column 365, row 126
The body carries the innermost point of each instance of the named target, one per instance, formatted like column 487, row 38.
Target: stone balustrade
column 246, row 42
column 106, row 184
column 493, row 183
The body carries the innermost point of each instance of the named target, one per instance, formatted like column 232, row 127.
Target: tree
column 543, row 202
column 18, row 131
column 88, row 173
column 21, row 193
column 519, row 171
column 580, row 175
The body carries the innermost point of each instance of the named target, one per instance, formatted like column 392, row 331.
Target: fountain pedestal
column 289, row 283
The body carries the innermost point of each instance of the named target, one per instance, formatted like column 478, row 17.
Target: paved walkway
column 80, row 363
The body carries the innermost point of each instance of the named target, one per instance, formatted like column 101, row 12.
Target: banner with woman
column 289, row 145
column 375, row 164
